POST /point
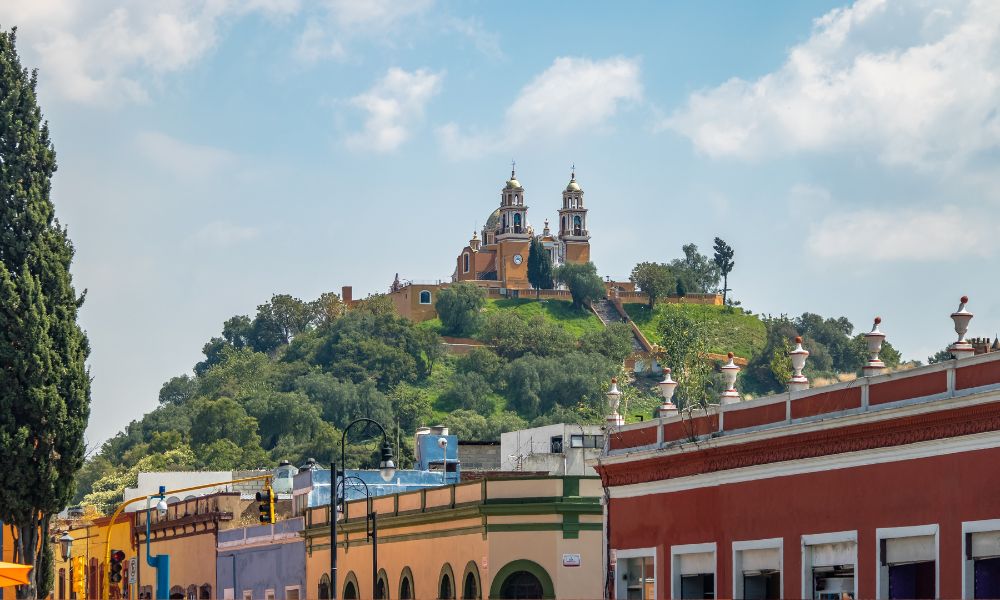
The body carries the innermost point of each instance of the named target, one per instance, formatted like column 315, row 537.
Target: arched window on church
column 425, row 297
column 465, row 262
column 517, row 223
column 577, row 225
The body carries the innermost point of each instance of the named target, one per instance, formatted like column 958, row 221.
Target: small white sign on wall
column 571, row 560
column 132, row 568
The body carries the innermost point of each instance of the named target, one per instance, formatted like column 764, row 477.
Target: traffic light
column 266, row 507
column 80, row 576
column 117, row 557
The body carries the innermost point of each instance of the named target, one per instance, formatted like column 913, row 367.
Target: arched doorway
column 522, row 579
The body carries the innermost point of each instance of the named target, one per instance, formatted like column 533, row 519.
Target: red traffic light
column 117, row 556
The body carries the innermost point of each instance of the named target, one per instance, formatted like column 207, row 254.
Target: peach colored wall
column 523, row 488
column 546, row 548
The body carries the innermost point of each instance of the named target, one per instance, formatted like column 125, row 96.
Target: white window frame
column 816, row 539
column 228, row 594
column 889, row 533
column 465, row 262
column 420, row 297
column 968, row 566
column 269, row 594
column 675, row 566
column 621, row 555
column 766, row 544
column 247, row 594
column 297, row 588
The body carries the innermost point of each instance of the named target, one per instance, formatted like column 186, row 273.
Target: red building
column 887, row 486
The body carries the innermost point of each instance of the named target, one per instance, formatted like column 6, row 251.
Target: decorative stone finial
column 961, row 317
column 799, row 355
column 729, row 373
column 614, row 400
column 874, row 339
column 667, row 388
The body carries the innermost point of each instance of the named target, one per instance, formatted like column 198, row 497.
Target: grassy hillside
column 560, row 312
column 732, row 330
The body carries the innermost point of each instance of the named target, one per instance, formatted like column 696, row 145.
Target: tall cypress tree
column 44, row 383
column 539, row 267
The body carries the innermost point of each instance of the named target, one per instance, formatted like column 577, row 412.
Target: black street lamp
column 66, row 546
column 387, row 470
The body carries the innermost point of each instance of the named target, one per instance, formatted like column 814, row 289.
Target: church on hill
column 499, row 253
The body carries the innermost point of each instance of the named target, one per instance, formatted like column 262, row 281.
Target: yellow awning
column 13, row 574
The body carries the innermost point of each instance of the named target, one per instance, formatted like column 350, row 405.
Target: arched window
column 350, row 592
column 192, row 592
column 444, row 590
column 324, row 588
column 205, row 592
column 564, row 223
column 425, row 297
column 406, row 591
column 382, row 586
column 470, row 582
column 577, row 225
column 177, row 593
column 62, row 584
column 517, row 222
column 465, row 262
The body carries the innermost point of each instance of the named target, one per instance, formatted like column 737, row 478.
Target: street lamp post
column 160, row 562
column 387, row 469
column 66, row 546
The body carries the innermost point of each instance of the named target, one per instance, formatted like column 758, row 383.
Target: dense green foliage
column 257, row 399
column 44, row 384
column 584, row 283
column 656, row 280
column 458, row 307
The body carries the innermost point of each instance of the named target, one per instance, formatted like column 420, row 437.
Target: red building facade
column 883, row 487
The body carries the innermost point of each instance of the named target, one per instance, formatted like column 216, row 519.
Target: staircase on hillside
column 607, row 313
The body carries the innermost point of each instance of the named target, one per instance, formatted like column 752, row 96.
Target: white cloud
column 868, row 236
column 394, row 105
column 486, row 42
column 102, row 51
column 183, row 160
column 571, row 96
column 329, row 29
column 913, row 80
column 225, row 234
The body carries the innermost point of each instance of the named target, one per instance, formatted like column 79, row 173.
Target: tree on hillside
column 684, row 340
column 539, row 267
column 458, row 306
column 44, row 384
column 698, row 273
column 654, row 279
column 723, row 259
column 584, row 283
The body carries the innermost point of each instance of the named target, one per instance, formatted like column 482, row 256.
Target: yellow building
column 90, row 535
column 494, row 538
column 7, row 555
column 188, row 534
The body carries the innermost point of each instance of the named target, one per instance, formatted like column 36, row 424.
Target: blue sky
column 213, row 153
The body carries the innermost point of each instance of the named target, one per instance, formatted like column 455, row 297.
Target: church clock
column 517, row 259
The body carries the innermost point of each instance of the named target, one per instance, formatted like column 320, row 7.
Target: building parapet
column 931, row 387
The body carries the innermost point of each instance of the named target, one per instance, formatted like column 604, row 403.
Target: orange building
column 501, row 254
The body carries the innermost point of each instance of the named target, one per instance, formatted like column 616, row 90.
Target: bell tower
column 573, row 231
column 513, row 237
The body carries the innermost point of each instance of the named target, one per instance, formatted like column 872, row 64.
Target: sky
column 214, row 153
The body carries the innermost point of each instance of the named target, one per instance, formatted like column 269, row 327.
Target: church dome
column 573, row 186
column 493, row 220
column 513, row 184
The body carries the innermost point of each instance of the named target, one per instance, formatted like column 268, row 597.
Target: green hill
column 557, row 312
column 731, row 329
